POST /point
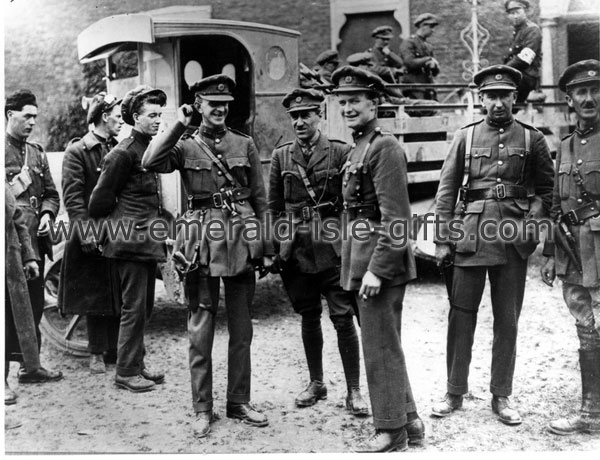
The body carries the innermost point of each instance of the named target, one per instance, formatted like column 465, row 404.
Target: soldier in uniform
column 305, row 186
column 418, row 58
column 28, row 176
column 525, row 52
column 377, row 262
column 222, row 176
column 575, row 204
column 327, row 61
column 501, row 172
column 84, row 287
column 387, row 64
column 127, row 195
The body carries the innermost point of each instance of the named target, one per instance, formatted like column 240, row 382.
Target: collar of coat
column 499, row 124
column 319, row 154
column 212, row 133
column 365, row 130
column 588, row 131
column 91, row 140
column 14, row 141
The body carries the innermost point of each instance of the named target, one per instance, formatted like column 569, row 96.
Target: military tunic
column 499, row 161
column 386, row 65
column 415, row 52
column 376, row 239
column 40, row 197
column 525, row 55
column 226, row 255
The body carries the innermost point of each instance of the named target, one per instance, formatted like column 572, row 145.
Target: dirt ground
column 88, row 414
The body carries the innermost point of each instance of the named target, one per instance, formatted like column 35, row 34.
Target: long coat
column 579, row 150
column 84, row 286
column 20, row 334
column 415, row 52
column 287, row 194
column 228, row 254
column 498, row 156
column 525, row 52
column 382, row 248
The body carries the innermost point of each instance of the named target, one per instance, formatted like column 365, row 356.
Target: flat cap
column 383, row 32
column 426, row 18
column 327, row 56
column 579, row 73
column 362, row 58
column 497, row 77
column 19, row 99
column 303, row 99
column 101, row 103
column 132, row 96
column 215, row 88
column 349, row 79
column 512, row 4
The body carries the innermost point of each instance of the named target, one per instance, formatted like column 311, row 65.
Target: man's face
column 357, row 109
column 213, row 113
column 426, row 30
column 147, row 121
column 381, row 42
column 114, row 121
column 517, row 16
column 306, row 124
column 21, row 122
column 498, row 104
column 585, row 100
column 330, row 66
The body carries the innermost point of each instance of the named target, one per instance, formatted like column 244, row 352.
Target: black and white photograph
column 286, row 227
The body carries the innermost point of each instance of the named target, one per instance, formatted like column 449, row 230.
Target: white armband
column 527, row 55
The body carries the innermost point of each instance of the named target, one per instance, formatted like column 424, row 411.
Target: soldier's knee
column 342, row 322
column 589, row 338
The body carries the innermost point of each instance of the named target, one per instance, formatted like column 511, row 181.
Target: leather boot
column 449, row 404
column 314, row 391
column 355, row 403
column 385, row 441
column 10, row 397
column 506, row 414
column 588, row 419
column 97, row 365
column 201, row 425
column 415, row 429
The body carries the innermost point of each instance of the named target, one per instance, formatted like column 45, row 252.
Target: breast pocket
column 239, row 168
column 480, row 159
column 516, row 163
column 564, row 180
column 198, row 175
column 592, row 176
column 293, row 187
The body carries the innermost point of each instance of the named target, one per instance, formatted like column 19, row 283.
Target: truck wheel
column 66, row 332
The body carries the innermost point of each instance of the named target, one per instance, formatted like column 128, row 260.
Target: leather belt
column 306, row 213
column 577, row 216
column 218, row 200
column 33, row 201
column 363, row 211
column 496, row 192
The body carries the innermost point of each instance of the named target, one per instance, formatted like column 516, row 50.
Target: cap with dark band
column 383, row 32
column 303, row 99
column 349, row 79
column 426, row 18
column 513, row 4
column 362, row 58
column 327, row 56
column 130, row 98
column 498, row 77
column 215, row 88
column 581, row 72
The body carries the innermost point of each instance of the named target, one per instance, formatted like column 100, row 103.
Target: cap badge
column 592, row 73
column 348, row 79
column 221, row 87
column 498, row 76
column 299, row 99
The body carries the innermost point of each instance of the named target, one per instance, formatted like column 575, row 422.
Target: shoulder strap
column 307, row 184
column 467, row 164
column 527, row 141
column 218, row 163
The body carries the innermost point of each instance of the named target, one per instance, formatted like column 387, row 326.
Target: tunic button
column 217, row 141
column 353, row 144
column 501, row 130
column 41, row 174
column 500, row 162
column 222, row 189
column 583, row 141
column 197, row 167
column 579, row 161
column 501, row 146
column 579, row 200
column 499, row 180
column 219, row 156
column 219, row 173
column 345, row 182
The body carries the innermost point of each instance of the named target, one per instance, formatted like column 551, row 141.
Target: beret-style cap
column 426, row 18
column 383, row 32
column 100, row 104
column 327, row 56
column 362, row 58
column 130, row 98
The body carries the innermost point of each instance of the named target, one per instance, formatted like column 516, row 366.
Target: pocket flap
column 595, row 224
column 516, row 151
column 565, row 168
column 477, row 152
column 237, row 162
column 475, row 207
column 197, row 163
column 592, row 167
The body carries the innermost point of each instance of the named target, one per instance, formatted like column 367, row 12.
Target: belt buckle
column 34, row 202
column 500, row 191
column 306, row 213
column 217, row 200
column 571, row 217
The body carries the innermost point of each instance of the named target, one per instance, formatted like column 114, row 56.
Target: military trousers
column 584, row 306
column 387, row 376
column 136, row 281
column 507, row 286
column 103, row 333
column 36, row 296
column 239, row 292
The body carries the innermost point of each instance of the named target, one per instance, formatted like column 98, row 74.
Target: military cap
column 101, row 103
column 581, row 72
column 497, row 77
column 513, row 4
column 303, row 99
column 215, row 88
column 19, row 99
column 363, row 58
column 350, row 79
column 426, row 18
column 383, row 32
column 132, row 96
column 327, row 56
